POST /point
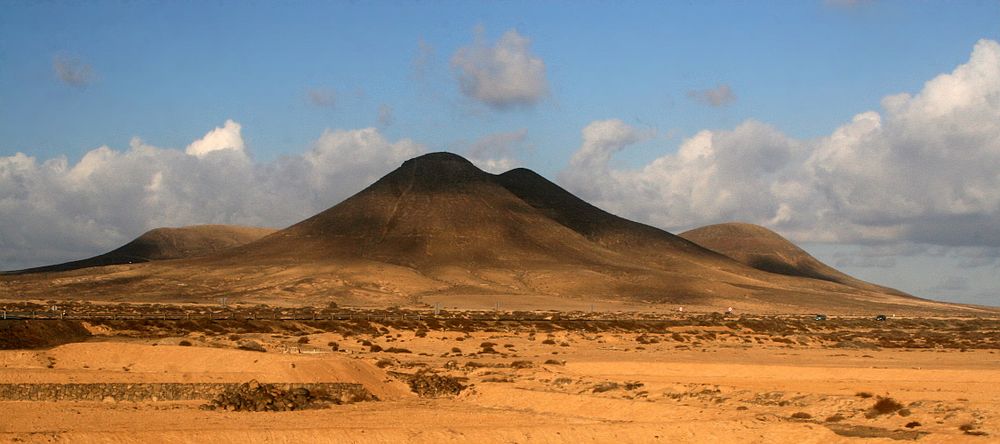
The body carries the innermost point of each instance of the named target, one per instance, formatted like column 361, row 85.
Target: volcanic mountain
column 439, row 229
column 167, row 243
column 766, row 250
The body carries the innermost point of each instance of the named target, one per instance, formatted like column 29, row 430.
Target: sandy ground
column 596, row 387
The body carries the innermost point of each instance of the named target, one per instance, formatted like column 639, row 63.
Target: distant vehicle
column 819, row 317
column 880, row 317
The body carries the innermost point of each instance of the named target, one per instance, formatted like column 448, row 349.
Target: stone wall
column 156, row 391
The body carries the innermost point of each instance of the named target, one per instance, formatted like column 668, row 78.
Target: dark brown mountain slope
column 766, row 250
column 166, row 243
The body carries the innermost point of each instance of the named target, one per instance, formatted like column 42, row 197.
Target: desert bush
column 836, row 417
column 549, row 342
column 864, row 395
column 421, row 333
column 384, row 362
column 456, row 350
column 375, row 348
column 801, row 415
column 912, row 424
column 521, row 364
column 333, row 345
column 554, row 362
column 605, row 387
column 884, row 406
column 303, row 340
column 184, row 343
column 397, row 350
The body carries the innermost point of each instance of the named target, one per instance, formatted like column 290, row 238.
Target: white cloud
column 72, row 71
column 227, row 137
column 925, row 169
column 503, row 75
column 498, row 152
column 721, row 95
column 322, row 97
column 53, row 211
column 386, row 115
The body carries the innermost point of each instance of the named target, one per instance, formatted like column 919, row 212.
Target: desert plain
column 452, row 375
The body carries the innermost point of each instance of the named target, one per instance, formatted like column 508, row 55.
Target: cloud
column 322, row 97
column 923, row 169
column 227, row 137
column 72, row 71
column 386, row 115
column 498, row 152
column 503, row 75
column 423, row 60
column 53, row 211
column 721, row 95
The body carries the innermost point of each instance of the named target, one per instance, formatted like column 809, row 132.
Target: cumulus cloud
column 72, row 71
column 227, row 137
column 499, row 152
column 923, row 169
column 322, row 97
column 52, row 210
column 502, row 75
column 719, row 96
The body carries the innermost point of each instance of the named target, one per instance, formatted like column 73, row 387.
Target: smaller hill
column 166, row 243
column 766, row 250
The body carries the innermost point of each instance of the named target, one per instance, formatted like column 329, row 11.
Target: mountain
column 766, row 250
column 439, row 229
column 166, row 243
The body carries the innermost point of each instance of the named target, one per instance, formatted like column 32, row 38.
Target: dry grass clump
column 884, row 406
column 521, row 364
column 864, row 395
column 836, row 417
column 912, row 424
column 801, row 415
column 554, row 362
column 184, row 343
column 605, row 387
column 971, row 429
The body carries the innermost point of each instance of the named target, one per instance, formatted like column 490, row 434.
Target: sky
column 868, row 132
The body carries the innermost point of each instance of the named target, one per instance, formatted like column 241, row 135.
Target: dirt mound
column 21, row 334
column 167, row 243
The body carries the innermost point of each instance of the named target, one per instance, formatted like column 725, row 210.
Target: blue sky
column 76, row 76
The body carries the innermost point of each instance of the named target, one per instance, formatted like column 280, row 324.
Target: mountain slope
column 766, row 250
column 166, row 243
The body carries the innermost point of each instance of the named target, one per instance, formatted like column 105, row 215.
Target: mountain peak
column 436, row 171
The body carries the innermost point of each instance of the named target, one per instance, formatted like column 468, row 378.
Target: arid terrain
column 493, row 376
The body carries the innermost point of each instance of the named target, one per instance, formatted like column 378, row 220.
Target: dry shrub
column 864, row 395
column 184, row 343
column 397, row 350
column 912, row 424
column 884, row 406
column 521, row 364
column 605, row 387
column 801, row 415
column 837, row 417
column 549, row 342
column 303, row 340
column 554, row 362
